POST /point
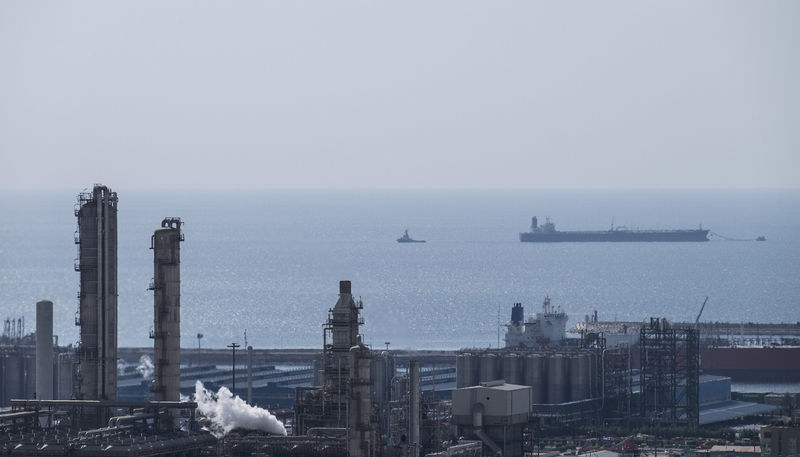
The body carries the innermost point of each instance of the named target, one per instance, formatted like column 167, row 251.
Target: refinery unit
column 343, row 400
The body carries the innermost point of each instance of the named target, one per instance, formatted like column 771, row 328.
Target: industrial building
column 495, row 413
column 780, row 440
column 350, row 401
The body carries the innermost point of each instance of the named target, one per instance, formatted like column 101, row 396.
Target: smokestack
column 44, row 350
column 166, row 288
column 414, row 409
column 517, row 314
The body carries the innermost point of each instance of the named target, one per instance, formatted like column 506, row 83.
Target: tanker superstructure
column 547, row 328
column 547, row 233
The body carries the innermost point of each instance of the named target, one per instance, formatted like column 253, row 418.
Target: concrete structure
column 495, row 413
column 97, row 264
column 166, row 287
column 44, row 350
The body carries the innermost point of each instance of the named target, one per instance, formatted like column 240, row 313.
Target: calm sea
column 269, row 262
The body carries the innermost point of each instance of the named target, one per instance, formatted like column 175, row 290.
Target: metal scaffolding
column 669, row 375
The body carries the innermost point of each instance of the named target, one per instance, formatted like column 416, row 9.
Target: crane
column 697, row 321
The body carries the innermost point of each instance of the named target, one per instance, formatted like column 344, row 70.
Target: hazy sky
column 139, row 94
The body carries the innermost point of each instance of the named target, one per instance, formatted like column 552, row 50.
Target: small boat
column 407, row 239
column 761, row 238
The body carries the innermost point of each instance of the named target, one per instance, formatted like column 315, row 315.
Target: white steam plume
column 227, row 412
column 145, row 367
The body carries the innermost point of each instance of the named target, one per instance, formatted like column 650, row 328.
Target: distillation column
column 97, row 240
column 342, row 328
column 166, row 288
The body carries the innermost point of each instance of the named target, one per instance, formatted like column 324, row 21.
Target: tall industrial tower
column 344, row 400
column 97, row 315
column 166, row 287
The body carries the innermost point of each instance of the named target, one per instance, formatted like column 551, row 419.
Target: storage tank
column 14, row 372
column 467, row 370
column 471, row 375
column 64, row 376
column 383, row 370
column 512, row 371
column 462, row 360
column 489, row 367
column 535, row 371
column 30, row 376
column 557, row 367
column 579, row 377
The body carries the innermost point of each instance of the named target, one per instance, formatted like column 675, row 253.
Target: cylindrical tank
column 64, row 376
column 383, row 370
column 14, row 369
column 489, row 367
column 535, row 376
column 30, row 376
column 556, row 379
column 467, row 370
column 578, row 377
column 44, row 350
column 512, row 373
column 461, row 370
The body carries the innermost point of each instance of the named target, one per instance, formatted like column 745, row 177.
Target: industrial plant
column 345, row 398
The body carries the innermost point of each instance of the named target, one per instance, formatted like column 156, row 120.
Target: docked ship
column 407, row 239
column 547, row 233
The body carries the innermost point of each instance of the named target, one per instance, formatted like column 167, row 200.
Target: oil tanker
column 547, row 233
